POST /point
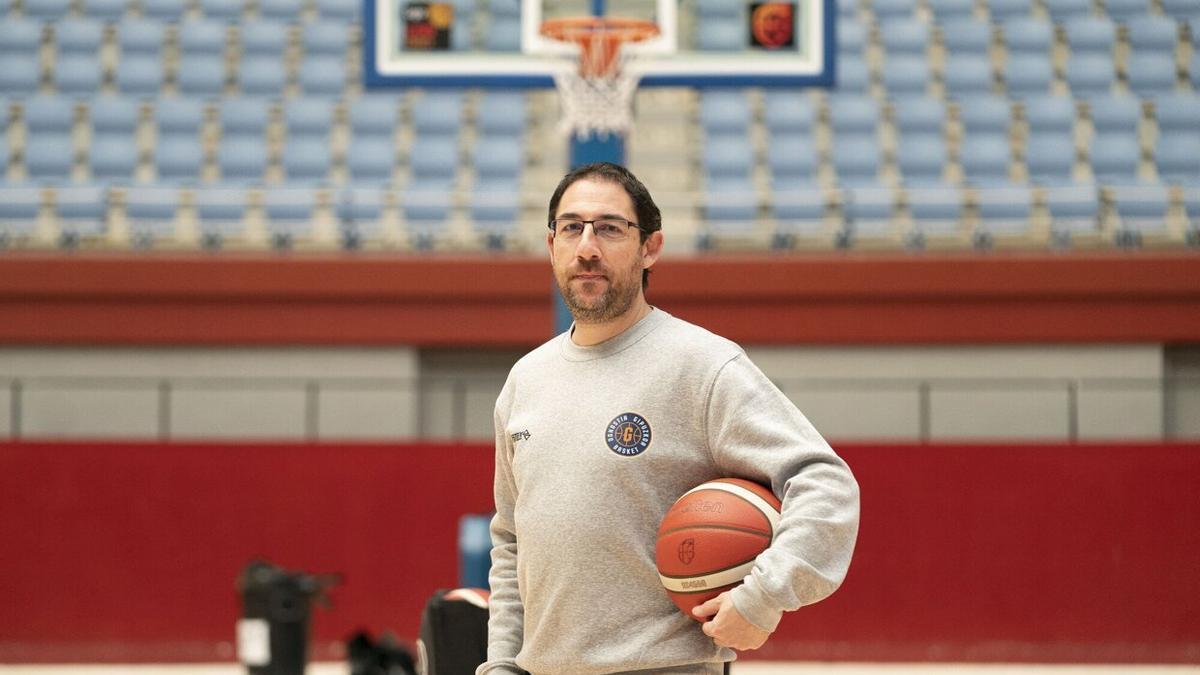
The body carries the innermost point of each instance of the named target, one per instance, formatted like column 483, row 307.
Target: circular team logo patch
column 628, row 434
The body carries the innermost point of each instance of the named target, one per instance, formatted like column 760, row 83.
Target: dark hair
column 648, row 216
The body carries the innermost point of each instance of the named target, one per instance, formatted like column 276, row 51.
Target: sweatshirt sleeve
column 506, row 618
column 755, row 432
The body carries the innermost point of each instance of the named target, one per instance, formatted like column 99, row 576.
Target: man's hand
column 728, row 628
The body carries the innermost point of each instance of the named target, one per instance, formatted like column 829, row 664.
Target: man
column 578, row 502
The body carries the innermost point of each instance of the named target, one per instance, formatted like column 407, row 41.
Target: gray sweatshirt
column 593, row 445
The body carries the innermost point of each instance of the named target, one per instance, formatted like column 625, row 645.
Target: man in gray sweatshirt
column 602, row 428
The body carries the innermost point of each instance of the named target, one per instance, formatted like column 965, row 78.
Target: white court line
column 742, row 668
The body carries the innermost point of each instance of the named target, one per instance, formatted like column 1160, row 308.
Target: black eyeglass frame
column 585, row 223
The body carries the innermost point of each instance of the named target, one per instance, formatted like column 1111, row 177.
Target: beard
column 622, row 291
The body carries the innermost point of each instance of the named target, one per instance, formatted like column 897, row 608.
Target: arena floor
column 747, row 668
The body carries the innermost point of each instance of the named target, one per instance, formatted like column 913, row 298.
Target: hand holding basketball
column 727, row 627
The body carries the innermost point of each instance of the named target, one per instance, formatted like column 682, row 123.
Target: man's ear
column 651, row 249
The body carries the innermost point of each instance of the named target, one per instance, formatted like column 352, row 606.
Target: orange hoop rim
column 611, row 29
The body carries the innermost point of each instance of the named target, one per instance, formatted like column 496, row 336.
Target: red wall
column 128, row 552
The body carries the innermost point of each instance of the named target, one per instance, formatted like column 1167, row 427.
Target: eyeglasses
column 608, row 229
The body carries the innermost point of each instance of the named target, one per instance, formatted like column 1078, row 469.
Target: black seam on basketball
column 716, row 526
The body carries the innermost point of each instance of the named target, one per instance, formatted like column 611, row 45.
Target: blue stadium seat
column 1050, row 158
column 1003, row 211
column 78, row 36
column 261, row 75
column 967, row 76
column 504, row 35
column 714, row 36
column 1090, row 34
column 201, row 75
column 201, row 36
column 221, row 213
column 289, row 214
column 852, row 75
column 306, row 160
column 242, row 159
column 139, row 75
column 151, row 211
column 1030, row 34
column 921, row 159
column 178, row 159
column 985, row 114
column 498, row 162
column 792, row 160
column 1177, row 112
column 905, row 36
column 856, row 159
column 951, row 10
column 311, row 117
column 1150, row 73
column 888, row 10
column 851, row 36
column 852, row 113
column 937, row 211
column 1115, row 114
column 20, row 204
column 47, row 10
column 360, row 215
column 77, row 74
column 729, row 209
column 799, row 214
column 1028, row 75
column 19, row 35
column 264, row 38
column 1050, row 113
column 501, row 113
column 140, row 36
column 728, row 156
column 1002, row 10
column 346, row 11
column 164, row 10
column 1090, row 74
column 19, row 74
column 426, row 208
column 370, row 160
column 373, row 115
column 112, row 159
column 906, row 76
column 325, row 38
column 280, row 10
column 1141, row 210
column 81, row 211
column 1074, row 210
column 433, row 161
column 985, row 158
column 788, row 111
column 1177, row 156
column 1114, row 158
column 227, row 11
column 504, row 8
column 494, row 215
column 1151, row 33
column 243, row 116
column 105, row 10
column 1180, row 10
column 1123, row 10
column 724, row 111
column 178, row 116
column 322, row 76
column 438, row 113
column 966, row 37
column 1191, row 208
column 868, row 212
column 1194, row 65
column 1062, row 10
column 922, row 115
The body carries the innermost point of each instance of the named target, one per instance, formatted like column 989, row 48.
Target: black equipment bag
column 454, row 632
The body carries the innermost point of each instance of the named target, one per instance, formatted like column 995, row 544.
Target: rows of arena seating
column 222, row 123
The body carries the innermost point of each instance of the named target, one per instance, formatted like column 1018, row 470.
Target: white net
column 597, row 105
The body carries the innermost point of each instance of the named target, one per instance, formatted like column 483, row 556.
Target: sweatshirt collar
column 615, row 344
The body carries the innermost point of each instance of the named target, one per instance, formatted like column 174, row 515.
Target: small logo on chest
column 628, row 434
column 520, row 436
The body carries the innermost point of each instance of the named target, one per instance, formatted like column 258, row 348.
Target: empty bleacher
column 210, row 123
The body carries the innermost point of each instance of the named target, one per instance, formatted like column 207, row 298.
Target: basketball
column 709, row 538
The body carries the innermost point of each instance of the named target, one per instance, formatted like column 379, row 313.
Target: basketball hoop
column 598, row 98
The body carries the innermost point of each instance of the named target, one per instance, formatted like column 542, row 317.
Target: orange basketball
column 710, row 537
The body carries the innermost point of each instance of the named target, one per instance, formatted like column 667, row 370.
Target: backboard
column 497, row 43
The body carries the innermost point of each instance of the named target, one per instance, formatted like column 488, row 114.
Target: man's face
column 600, row 280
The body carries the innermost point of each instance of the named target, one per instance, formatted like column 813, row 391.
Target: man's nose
column 588, row 247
